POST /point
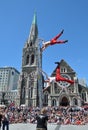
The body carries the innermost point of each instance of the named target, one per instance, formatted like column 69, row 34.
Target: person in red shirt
column 59, row 77
column 54, row 41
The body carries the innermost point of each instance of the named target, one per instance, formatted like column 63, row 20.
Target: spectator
column 0, row 118
column 42, row 120
column 5, row 120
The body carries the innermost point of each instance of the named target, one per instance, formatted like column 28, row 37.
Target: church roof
column 63, row 63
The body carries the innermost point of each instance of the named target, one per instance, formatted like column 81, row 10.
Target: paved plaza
column 29, row 126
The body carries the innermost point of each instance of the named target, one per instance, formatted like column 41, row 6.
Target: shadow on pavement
column 57, row 127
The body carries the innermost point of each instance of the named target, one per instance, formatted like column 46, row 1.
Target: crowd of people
column 56, row 115
column 64, row 115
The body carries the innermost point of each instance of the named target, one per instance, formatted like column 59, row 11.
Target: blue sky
column 52, row 16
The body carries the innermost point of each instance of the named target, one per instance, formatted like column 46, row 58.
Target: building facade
column 8, row 78
column 63, row 93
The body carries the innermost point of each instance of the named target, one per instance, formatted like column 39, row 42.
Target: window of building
column 83, row 95
column 56, row 89
column 12, row 73
column 27, row 59
column 30, row 43
column 54, row 102
column 27, row 45
column 75, row 101
column 63, row 69
column 32, row 59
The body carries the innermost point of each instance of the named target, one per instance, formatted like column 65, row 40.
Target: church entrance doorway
column 64, row 101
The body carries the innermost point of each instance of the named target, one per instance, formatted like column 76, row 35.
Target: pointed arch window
column 63, row 69
column 75, row 101
column 27, row 59
column 32, row 59
column 30, row 43
column 83, row 95
column 56, row 89
column 27, row 45
column 54, row 103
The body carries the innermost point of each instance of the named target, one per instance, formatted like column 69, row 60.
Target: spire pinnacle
column 34, row 29
column 34, row 19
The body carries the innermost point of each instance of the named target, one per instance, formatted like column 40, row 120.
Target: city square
column 29, row 126
column 48, row 71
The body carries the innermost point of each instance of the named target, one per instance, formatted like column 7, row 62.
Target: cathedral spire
column 34, row 19
column 34, row 30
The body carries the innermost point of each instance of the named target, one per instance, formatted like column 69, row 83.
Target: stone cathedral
column 32, row 91
column 30, row 81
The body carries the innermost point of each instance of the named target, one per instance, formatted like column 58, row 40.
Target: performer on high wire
column 54, row 41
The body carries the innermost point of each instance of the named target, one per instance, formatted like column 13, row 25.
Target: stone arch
column 64, row 101
column 32, row 59
column 27, row 59
column 31, row 43
column 83, row 95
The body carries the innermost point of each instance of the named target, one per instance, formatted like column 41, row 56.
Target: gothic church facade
column 65, row 94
